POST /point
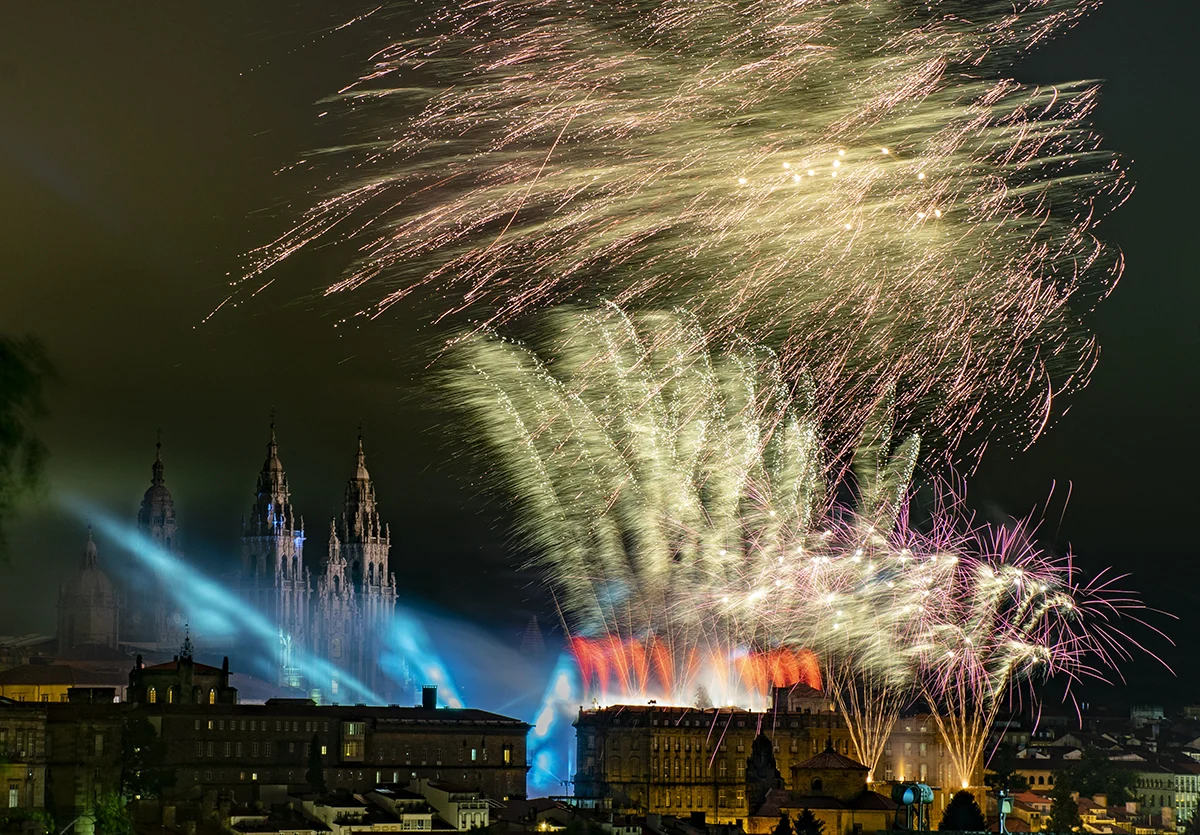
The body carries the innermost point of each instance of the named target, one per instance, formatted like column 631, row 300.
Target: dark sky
column 138, row 149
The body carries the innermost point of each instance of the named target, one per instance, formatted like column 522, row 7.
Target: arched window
column 212, row 697
column 152, row 696
column 336, row 648
column 816, row 785
column 171, row 695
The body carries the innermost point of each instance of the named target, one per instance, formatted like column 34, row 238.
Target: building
column 22, row 755
column 152, row 619
column 88, row 609
column 333, row 609
column 182, row 681
column 679, row 761
column 354, row 596
column 834, row 788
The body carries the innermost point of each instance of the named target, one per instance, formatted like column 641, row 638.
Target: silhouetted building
column 88, row 610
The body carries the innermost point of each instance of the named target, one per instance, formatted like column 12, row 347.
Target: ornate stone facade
column 343, row 617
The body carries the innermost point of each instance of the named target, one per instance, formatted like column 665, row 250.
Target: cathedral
column 332, row 614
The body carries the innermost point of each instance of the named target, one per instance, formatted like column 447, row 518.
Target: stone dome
column 89, row 582
column 87, row 604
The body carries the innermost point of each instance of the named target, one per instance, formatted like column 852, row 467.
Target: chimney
column 429, row 696
column 225, row 665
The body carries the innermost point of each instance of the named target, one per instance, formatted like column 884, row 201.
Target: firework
column 853, row 182
column 676, row 496
column 1020, row 616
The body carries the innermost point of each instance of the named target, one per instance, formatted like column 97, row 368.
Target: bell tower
column 273, row 577
column 364, row 543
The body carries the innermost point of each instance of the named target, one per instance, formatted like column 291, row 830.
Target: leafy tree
column 808, row 824
column 112, row 816
column 315, row 777
column 784, row 827
column 1094, row 773
column 1064, row 810
column 962, row 814
column 24, row 372
column 144, row 771
column 1004, row 765
column 26, row 819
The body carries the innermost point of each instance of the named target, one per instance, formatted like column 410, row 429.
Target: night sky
column 139, row 145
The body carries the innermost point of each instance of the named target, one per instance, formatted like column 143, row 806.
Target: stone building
column 88, row 609
column 678, row 761
column 151, row 617
column 182, row 681
column 22, row 755
column 329, row 615
column 342, row 617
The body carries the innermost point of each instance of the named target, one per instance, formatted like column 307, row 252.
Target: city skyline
column 159, row 200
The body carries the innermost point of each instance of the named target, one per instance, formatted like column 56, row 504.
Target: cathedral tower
column 338, row 633
column 273, row 577
column 149, row 615
column 363, row 543
column 88, row 612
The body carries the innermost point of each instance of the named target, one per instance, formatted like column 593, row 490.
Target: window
column 816, row 785
column 171, row 695
column 475, row 752
column 14, row 790
column 228, row 748
column 324, row 750
column 212, row 697
column 152, row 696
column 237, row 752
column 722, row 766
column 208, row 751
column 99, row 744
column 196, row 726
column 199, row 749
column 508, row 754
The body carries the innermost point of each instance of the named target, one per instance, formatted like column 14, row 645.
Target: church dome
column 89, row 583
column 88, row 611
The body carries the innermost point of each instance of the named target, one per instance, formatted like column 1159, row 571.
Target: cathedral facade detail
column 338, row 614
column 329, row 616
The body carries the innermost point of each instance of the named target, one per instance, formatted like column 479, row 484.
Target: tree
column 1064, row 810
column 808, row 824
column 24, row 371
column 112, row 816
column 1003, row 770
column 1094, row 773
column 144, row 771
column 315, row 777
column 784, row 827
column 962, row 814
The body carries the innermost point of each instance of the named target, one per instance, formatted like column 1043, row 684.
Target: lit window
column 152, row 696
column 212, row 697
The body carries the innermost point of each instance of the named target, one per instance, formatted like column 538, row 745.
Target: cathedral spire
column 90, row 556
column 361, row 515
column 273, row 501
column 156, row 469
column 156, row 516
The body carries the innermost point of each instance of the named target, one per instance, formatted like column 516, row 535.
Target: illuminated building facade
column 339, row 616
column 678, row 760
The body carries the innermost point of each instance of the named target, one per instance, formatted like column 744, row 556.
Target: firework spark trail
column 853, row 182
column 678, row 501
